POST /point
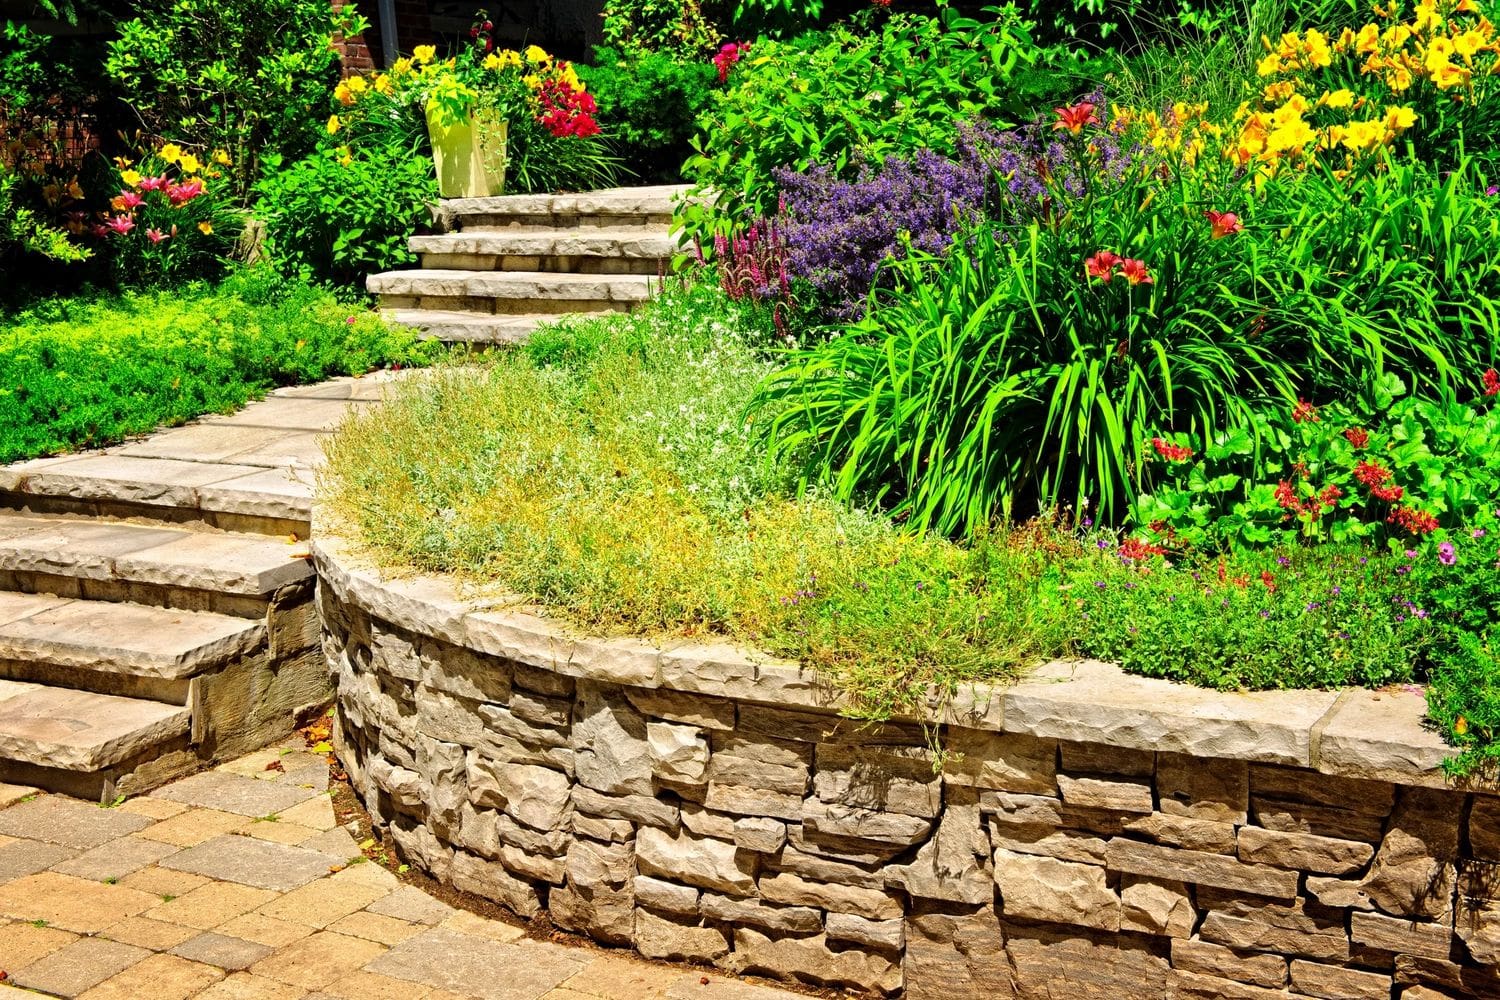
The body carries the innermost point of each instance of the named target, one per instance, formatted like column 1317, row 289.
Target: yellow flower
column 1269, row 65
column 1368, row 40
column 333, row 124
column 222, row 158
column 343, row 94
column 171, row 152
column 401, row 67
column 190, row 164
column 537, row 54
column 1337, row 99
column 74, row 190
column 1426, row 16
column 206, row 228
column 1468, row 43
column 492, row 61
column 130, row 178
column 1449, row 76
column 423, row 53
column 120, row 161
column 1278, row 91
column 532, row 80
column 383, row 85
column 357, row 85
column 1399, row 119
column 1398, row 79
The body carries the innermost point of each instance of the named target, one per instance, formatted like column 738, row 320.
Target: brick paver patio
column 239, row 884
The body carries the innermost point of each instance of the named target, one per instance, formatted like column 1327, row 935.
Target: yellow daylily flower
column 222, row 158
column 190, row 164
column 206, row 228
column 333, row 124
column 130, row 177
column 423, row 53
column 171, row 152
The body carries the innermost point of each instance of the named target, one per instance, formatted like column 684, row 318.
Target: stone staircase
column 157, row 601
column 500, row 267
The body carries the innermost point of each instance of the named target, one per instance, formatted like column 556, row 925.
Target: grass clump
column 606, row 473
column 78, row 373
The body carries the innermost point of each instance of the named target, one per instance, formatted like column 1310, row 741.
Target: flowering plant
column 1392, row 467
column 1340, row 97
column 553, row 134
column 168, row 222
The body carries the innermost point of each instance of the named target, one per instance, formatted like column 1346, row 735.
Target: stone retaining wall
column 1100, row 835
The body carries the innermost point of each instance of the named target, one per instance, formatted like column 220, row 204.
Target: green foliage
column 249, row 76
column 334, row 218
column 76, row 373
column 1464, row 700
column 674, row 27
column 1282, row 619
column 539, row 161
column 650, row 101
column 847, row 96
column 22, row 232
column 1384, row 455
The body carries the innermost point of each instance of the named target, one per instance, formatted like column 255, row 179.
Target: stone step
column 135, row 481
column 130, row 650
column 80, row 742
column 609, row 208
column 628, row 250
column 156, row 564
column 454, row 327
column 510, row 293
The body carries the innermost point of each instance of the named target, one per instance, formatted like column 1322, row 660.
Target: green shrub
column 22, row 232
column 78, row 373
column 334, row 217
column 650, row 102
column 847, row 97
column 249, row 76
column 678, row 28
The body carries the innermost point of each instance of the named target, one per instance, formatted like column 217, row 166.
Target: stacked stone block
column 803, row 846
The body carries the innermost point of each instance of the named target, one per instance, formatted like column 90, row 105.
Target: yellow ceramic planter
column 469, row 155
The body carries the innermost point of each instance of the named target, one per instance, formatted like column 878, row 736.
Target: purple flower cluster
column 839, row 232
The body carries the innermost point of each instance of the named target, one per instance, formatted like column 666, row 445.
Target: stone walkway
column 239, row 884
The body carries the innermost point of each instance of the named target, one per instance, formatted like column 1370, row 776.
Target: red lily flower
column 1135, row 272
column 1102, row 265
column 1223, row 223
column 121, row 224
column 1075, row 118
column 155, row 235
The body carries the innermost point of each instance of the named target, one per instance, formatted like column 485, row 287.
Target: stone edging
column 1377, row 735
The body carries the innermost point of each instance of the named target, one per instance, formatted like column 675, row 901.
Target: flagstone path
column 237, row 884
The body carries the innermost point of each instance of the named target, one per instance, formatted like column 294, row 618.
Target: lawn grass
column 80, row 373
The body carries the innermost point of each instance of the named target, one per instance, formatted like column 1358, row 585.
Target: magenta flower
column 1446, row 554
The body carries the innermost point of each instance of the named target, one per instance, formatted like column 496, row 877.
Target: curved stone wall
column 1091, row 834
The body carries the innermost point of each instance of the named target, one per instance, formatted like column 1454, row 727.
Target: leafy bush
column 76, row 373
column 650, row 101
column 1386, row 468
column 248, row 76
column 334, row 217
column 22, row 232
column 676, row 28
column 844, row 98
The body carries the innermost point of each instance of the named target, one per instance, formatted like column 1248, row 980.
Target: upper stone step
column 225, row 572
column 63, row 739
column 117, row 648
column 579, row 250
column 510, row 292
column 609, row 208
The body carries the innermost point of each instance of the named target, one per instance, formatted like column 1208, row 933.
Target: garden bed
column 1082, row 829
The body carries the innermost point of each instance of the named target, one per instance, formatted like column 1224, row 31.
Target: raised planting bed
column 1081, row 833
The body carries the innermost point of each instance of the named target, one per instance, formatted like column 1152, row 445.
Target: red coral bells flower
column 1371, row 474
column 1171, row 452
column 1491, row 382
column 1390, row 494
column 1102, row 265
column 1223, row 224
column 1418, row 522
column 1267, row 579
column 1357, row 436
column 1286, row 495
column 1075, row 118
column 1304, row 412
column 1135, row 272
column 728, row 56
column 1137, row 548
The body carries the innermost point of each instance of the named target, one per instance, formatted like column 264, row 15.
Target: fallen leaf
column 276, row 765
column 323, row 747
column 337, row 868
